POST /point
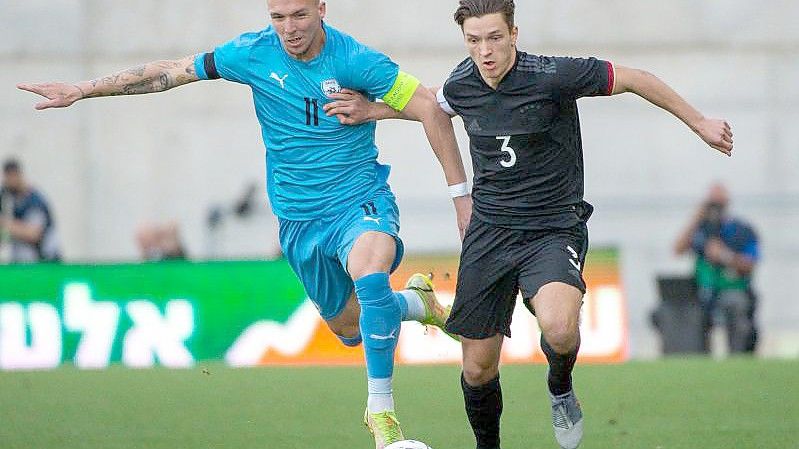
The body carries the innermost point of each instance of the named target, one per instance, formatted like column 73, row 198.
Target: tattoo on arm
column 163, row 81
column 146, row 86
column 82, row 92
column 147, row 78
column 137, row 71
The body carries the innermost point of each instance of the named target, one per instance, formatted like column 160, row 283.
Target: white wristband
column 459, row 190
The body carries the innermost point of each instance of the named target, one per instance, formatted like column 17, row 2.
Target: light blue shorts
column 317, row 250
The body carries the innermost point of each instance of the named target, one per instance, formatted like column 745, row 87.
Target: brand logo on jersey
column 537, row 65
column 474, row 125
column 330, row 87
column 280, row 80
column 376, row 220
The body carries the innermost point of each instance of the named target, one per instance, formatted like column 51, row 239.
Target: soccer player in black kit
column 528, row 228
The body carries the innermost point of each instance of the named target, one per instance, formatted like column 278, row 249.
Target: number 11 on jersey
column 507, row 149
column 311, row 103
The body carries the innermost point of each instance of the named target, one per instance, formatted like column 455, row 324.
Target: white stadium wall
column 110, row 164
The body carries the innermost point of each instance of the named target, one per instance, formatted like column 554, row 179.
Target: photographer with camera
column 726, row 250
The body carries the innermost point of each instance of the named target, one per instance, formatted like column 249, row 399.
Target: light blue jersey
column 315, row 166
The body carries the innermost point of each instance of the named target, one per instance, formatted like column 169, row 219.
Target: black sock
column 560, row 367
column 484, row 407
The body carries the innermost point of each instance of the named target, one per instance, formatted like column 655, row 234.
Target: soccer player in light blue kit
column 339, row 222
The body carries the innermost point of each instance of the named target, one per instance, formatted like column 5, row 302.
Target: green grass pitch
column 671, row 404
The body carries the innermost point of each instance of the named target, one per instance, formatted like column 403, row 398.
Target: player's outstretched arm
column 156, row 76
column 715, row 132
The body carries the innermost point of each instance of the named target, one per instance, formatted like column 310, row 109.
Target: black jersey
column 525, row 138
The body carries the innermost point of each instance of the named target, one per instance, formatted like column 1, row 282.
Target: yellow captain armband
column 402, row 91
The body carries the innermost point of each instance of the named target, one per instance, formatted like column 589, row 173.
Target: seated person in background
column 26, row 224
column 726, row 250
column 160, row 242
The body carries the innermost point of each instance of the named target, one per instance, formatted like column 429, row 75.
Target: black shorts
column 498, row 262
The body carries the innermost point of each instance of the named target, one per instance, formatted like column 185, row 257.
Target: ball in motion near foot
column 408, row 444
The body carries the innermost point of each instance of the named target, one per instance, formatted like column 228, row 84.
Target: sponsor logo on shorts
column 575, row 260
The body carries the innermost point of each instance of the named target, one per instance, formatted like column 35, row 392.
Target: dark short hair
column 11, row 166
column 478, row 8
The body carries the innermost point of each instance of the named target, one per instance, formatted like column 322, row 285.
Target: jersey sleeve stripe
column 463, row 70
column 210, row 66
column 611, row 78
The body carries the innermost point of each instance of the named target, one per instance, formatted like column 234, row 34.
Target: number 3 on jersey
column 507, row 149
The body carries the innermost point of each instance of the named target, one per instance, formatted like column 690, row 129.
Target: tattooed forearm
column 183, row 79
column 137, row 71
column 82, row 92
column 187, row 77
column 144, row 79
column 147, row 78
column 163, row 81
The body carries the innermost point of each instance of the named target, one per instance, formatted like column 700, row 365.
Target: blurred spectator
column 26, row 223
column 160, row 242
column 726, row 250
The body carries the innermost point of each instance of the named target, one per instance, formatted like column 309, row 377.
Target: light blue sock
column 380, row 323
column 411, row 305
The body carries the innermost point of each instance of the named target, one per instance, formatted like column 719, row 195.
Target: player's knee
column 480, row 372
column 562, row 338
column 373, row 252
column 345, row 330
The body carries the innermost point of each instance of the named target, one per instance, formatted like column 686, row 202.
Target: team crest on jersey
column 330, row 86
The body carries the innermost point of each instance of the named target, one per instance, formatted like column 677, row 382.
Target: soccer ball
column 408, row 444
